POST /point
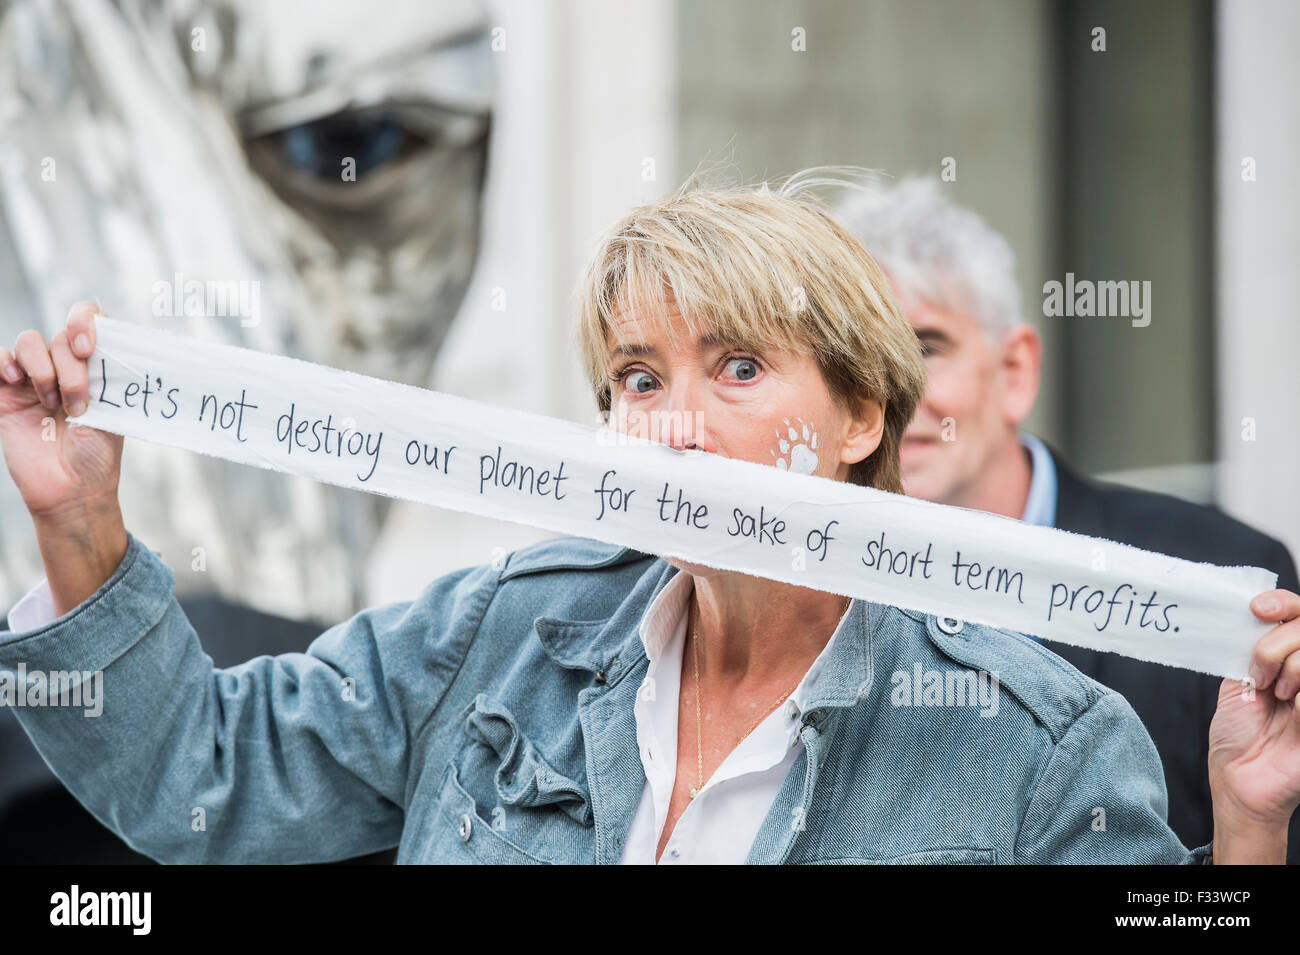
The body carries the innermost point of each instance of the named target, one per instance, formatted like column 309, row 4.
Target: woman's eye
column 745, row 369
column 639, row 382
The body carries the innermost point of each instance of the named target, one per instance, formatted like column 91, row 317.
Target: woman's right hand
column 67, row 474
column 60, row 469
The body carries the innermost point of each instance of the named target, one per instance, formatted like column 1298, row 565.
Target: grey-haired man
column 954, row 277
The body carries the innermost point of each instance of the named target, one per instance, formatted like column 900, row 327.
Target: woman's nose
column 680, row 421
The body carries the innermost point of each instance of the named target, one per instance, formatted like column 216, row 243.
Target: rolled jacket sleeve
column 1101, row 797
column 302, row 757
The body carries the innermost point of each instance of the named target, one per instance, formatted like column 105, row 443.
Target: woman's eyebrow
column 634, row 350
column 708, row 340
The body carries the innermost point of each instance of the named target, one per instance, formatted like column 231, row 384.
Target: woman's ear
column 866, row 427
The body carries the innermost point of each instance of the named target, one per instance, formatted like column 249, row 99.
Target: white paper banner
column 388, row 438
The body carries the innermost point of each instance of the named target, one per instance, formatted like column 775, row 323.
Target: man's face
column 961, row 421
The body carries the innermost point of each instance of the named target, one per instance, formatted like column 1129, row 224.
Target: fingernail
column 51, row 400
column 77, row 408
column 1266, row 604
column 12, row 373
column 1257, row 674
column 82, row 343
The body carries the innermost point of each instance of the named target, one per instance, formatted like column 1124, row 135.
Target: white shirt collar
column 663, row 633
column 1040, row 506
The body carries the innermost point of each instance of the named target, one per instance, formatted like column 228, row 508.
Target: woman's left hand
column 1255, row 742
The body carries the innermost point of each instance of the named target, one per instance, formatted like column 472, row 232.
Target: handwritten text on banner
column 387, row 438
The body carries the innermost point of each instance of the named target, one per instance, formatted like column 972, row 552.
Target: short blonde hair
column 761, row 267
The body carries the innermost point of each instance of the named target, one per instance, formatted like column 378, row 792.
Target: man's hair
column 936, row 251
column 761, row 267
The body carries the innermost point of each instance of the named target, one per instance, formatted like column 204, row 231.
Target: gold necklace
column 699, row 699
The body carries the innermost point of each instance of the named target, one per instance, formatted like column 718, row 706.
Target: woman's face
column 772, row 408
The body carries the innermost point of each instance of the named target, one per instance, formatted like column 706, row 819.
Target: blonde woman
column 587, row 703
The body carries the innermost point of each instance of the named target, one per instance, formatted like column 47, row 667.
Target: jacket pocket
column 501, row 802
column 522, row 776
column 461, row 835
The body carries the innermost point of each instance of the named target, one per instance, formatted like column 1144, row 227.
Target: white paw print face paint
column 798, row 444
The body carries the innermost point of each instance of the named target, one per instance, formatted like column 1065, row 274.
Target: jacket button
column 600, row 676
column 464, row 827
column 949, row 625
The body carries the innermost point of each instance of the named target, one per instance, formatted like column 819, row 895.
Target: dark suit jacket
column 1176, row 705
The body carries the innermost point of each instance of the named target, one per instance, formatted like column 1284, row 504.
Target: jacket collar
column 612, row 647
column 613, row 651
column 609, row 647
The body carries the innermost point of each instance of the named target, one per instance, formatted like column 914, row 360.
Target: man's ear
column 1022, row 366
column 865, row 429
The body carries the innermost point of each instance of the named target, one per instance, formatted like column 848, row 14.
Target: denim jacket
column 491, row 720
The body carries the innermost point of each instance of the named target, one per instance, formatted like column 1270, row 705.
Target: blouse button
column 464, row 827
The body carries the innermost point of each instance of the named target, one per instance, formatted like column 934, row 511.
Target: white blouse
column 719, row 825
